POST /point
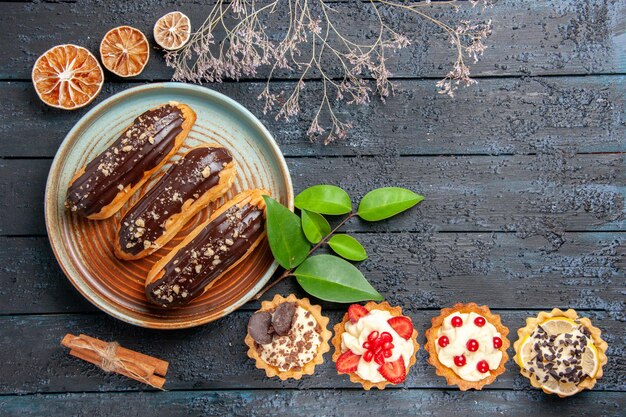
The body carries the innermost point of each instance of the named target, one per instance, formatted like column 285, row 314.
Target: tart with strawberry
column 560, row 352
column 375, row 344
column 288, row 337
column 467, row 345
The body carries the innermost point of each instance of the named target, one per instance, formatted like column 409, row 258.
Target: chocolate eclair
column 209, row 251
column 200, row 177
column 99, row 189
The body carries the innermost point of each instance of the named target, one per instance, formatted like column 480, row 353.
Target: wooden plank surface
column 529, row 38
column 415, row 270
column 497, row 116
column 293, row 403
column 524, row 179
column 546, row 193
column 214, row 356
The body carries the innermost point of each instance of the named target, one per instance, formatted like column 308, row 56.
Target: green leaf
column 383, row 203
column 314, row 225
column 284, row 233
column 324, row 199
column 347, row 247
column 330, row 278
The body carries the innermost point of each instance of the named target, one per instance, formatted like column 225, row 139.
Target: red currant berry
column 386, row 337
column 373, row 336
column 460, row 361
column 472, row 345
column 482, row 367
column 367, row 356
column 497, row 342
column 480, row 321
column 443, row 341
column 456, row 321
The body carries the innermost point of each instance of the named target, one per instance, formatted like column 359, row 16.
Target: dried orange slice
column 67, row 77
column 124, row 51
column 172, row 31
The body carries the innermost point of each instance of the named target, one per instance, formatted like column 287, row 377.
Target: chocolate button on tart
column 560, row 352
column 287, row 337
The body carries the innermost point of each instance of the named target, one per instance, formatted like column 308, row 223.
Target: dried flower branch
column 312, row 44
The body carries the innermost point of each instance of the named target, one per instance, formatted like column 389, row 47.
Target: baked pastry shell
column 531, row 325
column 308, row 368
column 451, row 377
column 340, row 329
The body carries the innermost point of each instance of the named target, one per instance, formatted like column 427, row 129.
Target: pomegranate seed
column 443, row 341
column 379, row 358
column 497, row 342
column 373, row 336
column 456, row 321
column 480, row 321
column 387, row 353
column 460, row 361
column 472, row 345
column 367, row 356
column 388, row 346
column 366, row 345
column 482, row 367
column 386, row 337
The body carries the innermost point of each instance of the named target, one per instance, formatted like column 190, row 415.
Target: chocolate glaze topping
column 139, row 148
column 220, row 244
column 188, row 178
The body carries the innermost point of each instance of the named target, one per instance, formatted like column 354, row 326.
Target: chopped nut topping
column 140, row 223
column 229, row 242
column 127, row 148
column 198, row 268
column 206, row 172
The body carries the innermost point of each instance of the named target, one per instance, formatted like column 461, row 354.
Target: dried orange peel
column 172, row 31
column 124, row 51
column 67, row 77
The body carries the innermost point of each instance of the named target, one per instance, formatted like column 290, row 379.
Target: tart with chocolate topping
column 467, row 345
column 560, row 352
column 375, row 344
column 287, row 337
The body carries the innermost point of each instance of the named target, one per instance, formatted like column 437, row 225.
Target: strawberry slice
column 402, row 325
column 347, row 362
column 356, row 311
column 394, row 372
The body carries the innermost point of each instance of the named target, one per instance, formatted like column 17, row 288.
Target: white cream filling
column 459, row 336
column 356, row 334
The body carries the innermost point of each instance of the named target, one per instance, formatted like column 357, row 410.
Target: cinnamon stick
column 114, row 358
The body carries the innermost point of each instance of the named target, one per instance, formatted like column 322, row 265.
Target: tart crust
column 451, row 377
column 308, row 368
column 340, row 329
column 531, row 325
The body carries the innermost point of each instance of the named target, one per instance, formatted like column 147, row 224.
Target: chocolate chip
column 259, row 326
column 282, row 318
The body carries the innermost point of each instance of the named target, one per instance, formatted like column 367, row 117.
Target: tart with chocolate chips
column 287, row 337
column 467, row 345
column 560, row 352
column 375, row 345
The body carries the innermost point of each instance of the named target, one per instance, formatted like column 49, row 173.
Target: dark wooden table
column 524, row 181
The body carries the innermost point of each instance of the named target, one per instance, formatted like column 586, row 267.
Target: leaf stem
column 289, row 272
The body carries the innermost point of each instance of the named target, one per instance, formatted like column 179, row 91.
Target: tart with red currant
column 467, row 345
column 288, row 337
column 375, row 345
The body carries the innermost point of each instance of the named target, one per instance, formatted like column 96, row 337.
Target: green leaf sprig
column 293, row 239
